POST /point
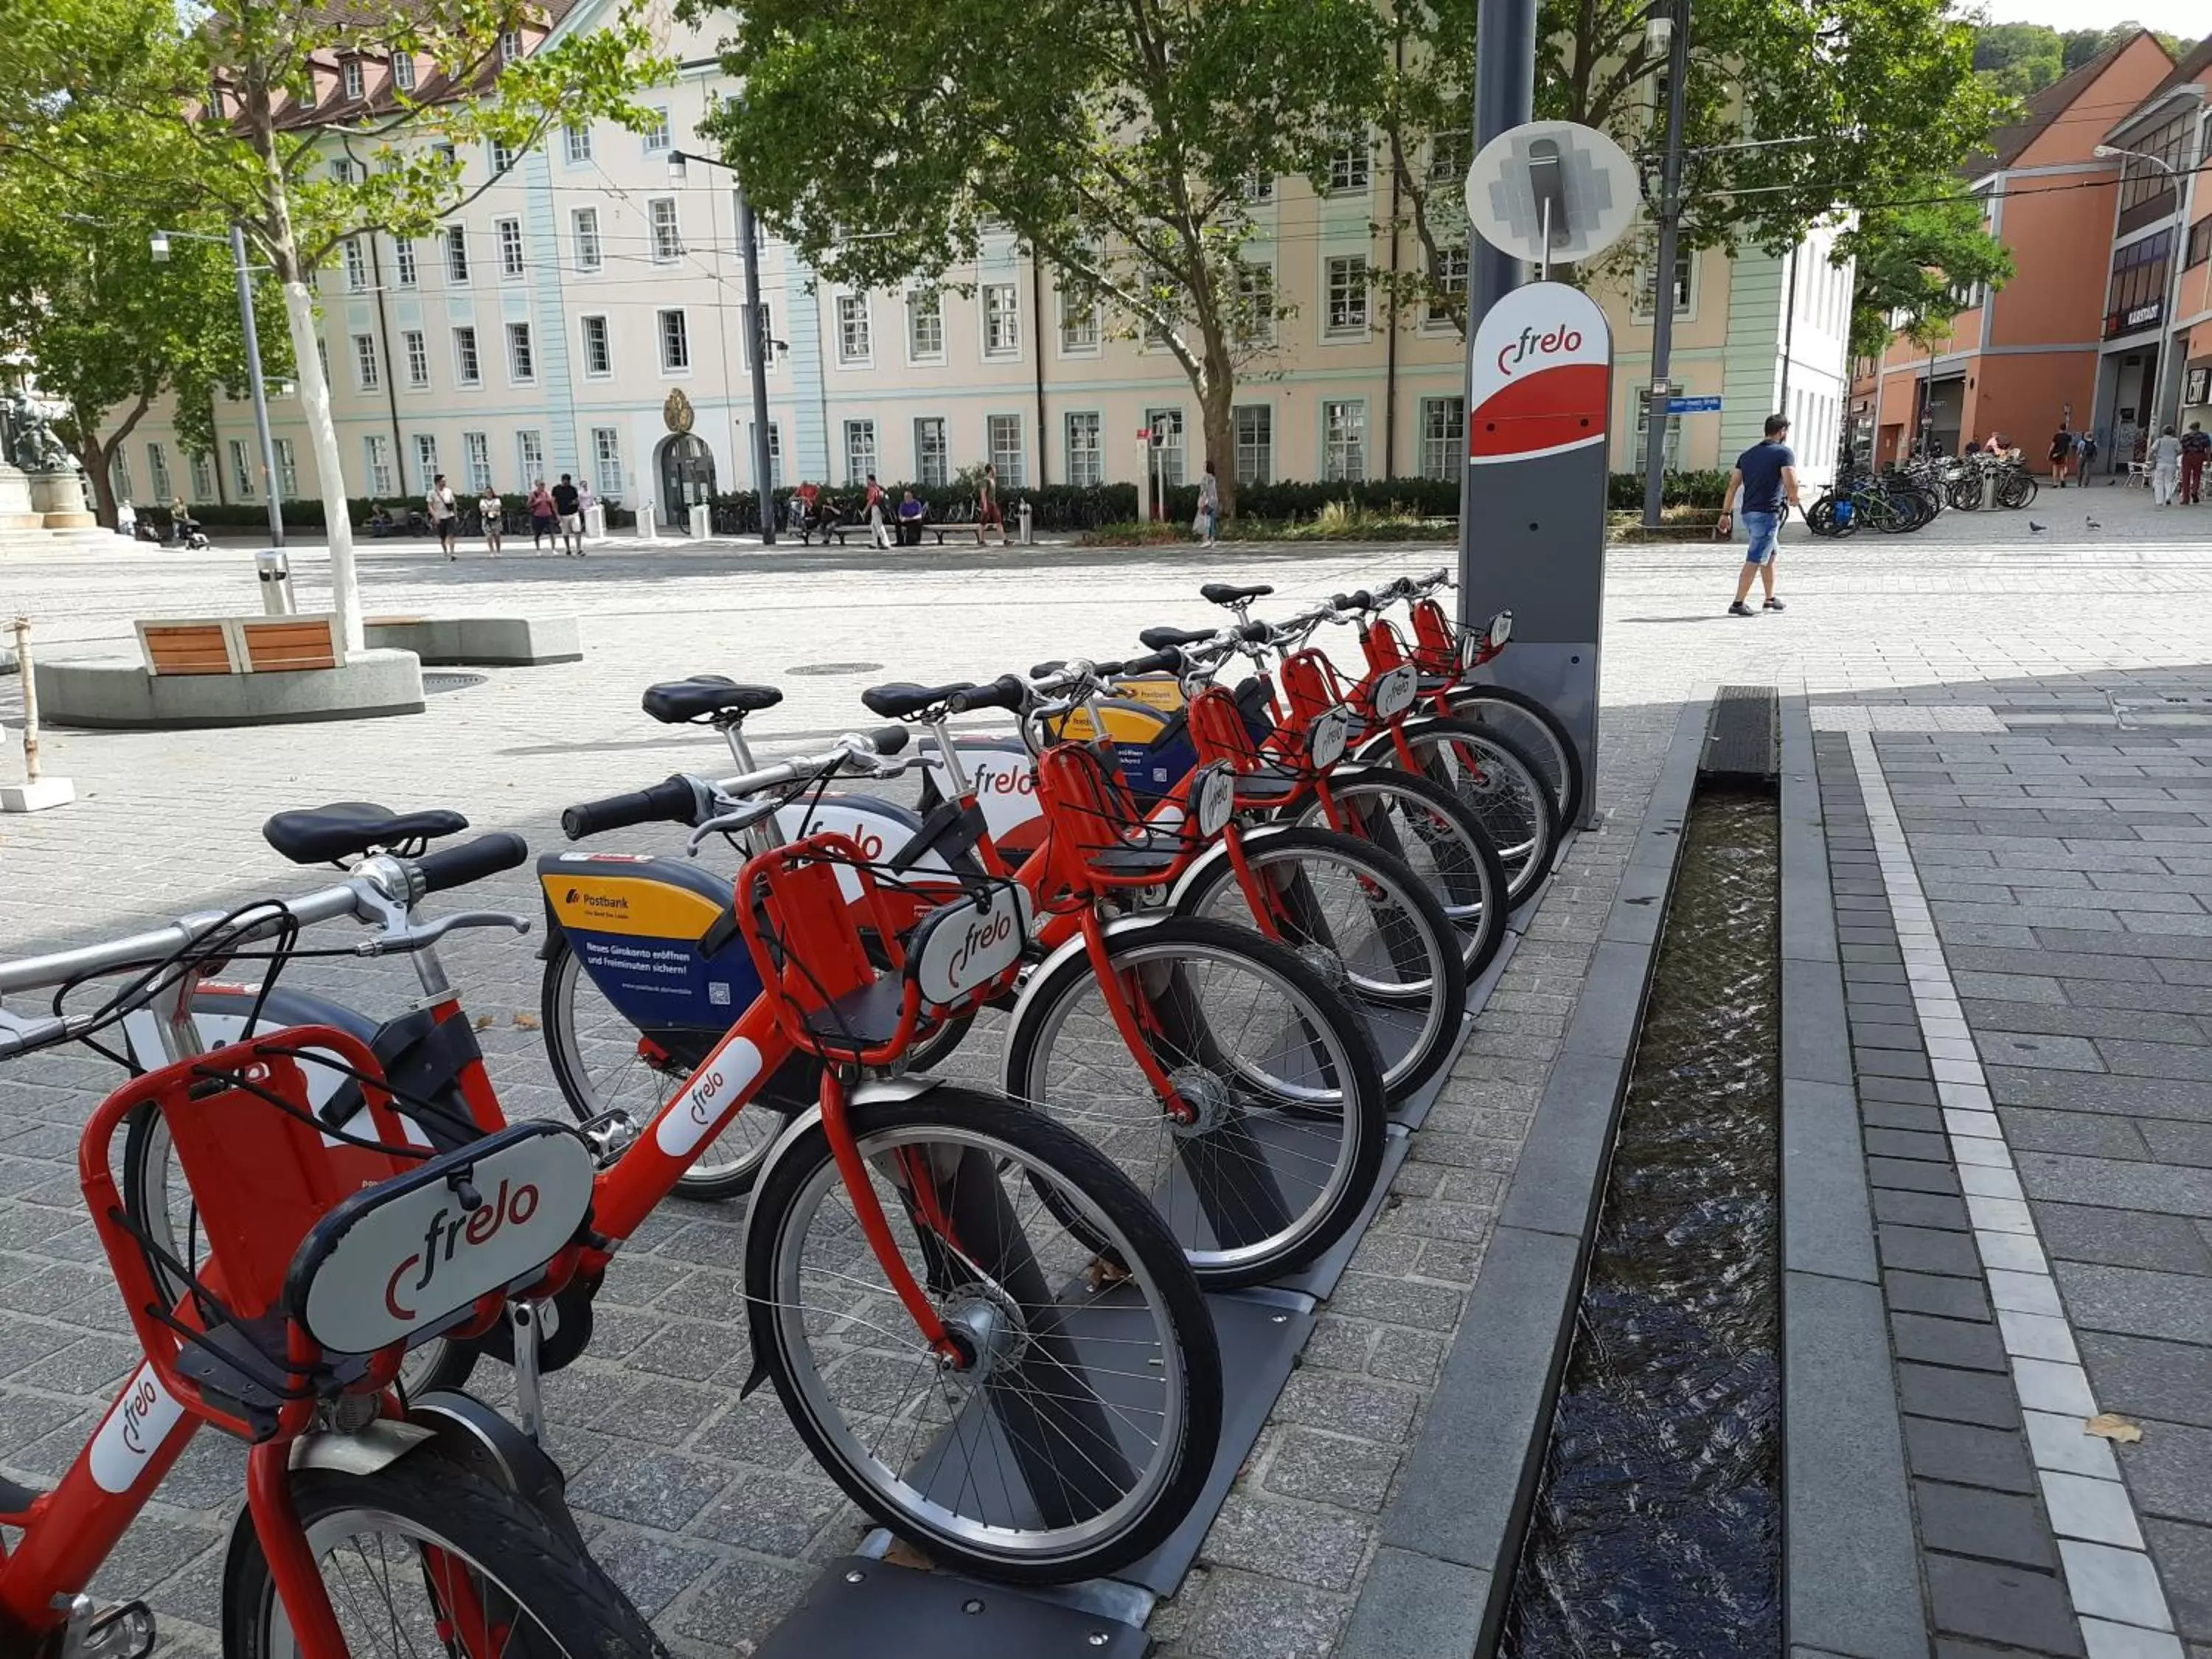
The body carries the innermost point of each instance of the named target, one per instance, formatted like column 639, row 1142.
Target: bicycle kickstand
column 529, row 1400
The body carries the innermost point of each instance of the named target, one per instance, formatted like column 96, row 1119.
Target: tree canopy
column 1918, row 267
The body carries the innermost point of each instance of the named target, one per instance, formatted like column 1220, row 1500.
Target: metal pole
column 30, row 700
column 260, row 392
column 757, row 326
column 1662, row 299
column 2162, row 381
column 1504, row 97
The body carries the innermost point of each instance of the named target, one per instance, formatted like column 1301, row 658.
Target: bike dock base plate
column 861, row 1608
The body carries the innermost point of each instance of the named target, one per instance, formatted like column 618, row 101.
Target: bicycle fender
column 1378, row 744
column 463, row 1430
column 1120, row 927
column 1202, row 866
column 874, row 1089
column 363, row 1451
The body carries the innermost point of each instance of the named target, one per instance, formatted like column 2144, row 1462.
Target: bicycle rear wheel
column 1084, row 1423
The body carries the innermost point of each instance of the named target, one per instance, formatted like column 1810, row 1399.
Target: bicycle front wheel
column 1498, row 780
column 426, row 1557
column 1288, row 1110
column 1529, row 722
column 1082, row 1423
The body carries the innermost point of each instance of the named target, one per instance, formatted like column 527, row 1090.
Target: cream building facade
column 545, row 330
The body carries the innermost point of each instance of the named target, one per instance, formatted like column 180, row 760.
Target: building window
column 1259, row 188
column 510, row 44
column 656, row 135
column 932, row 461
column 1647, row 284
column 157, row 471
column 2141, row 180
column 667, row 237
column 1254, row 427
column 2137, row 296
column 1447, row 296
column 1346, row 287
column 675, row 343
column 356, row 266
column 579, row 144
column 1168, row 451
column 502, row 158
column 1443, row 437
column 241, row 476
column 1086, row 454
column 1672, row 460
column 365, row 375
column 860, row 450
column 1256, row 303
column 1002, row 320
column 323, row 358
column 925, row 326
column 418, row 348
column 1348, row 167
column 287, row 470
column 1448, row 160
column 511, row 265
column 606, row 463
column 468, row 367
column 403, row 72
column 775, row 456
column 403, row 260
column 448, row 157
column 530, row 456
column 119, row 476
column 377, row 451
column 766, row 341
column 584, row 231
column 203, row 483
column 1344, row 441
column 854, row 345
column 521, row 354
column 341, row 172
column 1005, row 432
column 476, row 447
column 1081, row 325
column 2200, row 242
column 599, row 350
column 457, row 254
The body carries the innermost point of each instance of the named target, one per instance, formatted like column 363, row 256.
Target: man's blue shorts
column 1762, row 528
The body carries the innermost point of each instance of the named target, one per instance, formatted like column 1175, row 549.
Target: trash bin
column 702, row 522
column 274, row 569
column 1029, row 538
column 595, row 523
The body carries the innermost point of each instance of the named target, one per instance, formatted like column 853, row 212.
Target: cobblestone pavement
column 707, row 1508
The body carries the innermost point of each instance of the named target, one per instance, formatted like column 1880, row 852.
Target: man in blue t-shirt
column 1764, row 474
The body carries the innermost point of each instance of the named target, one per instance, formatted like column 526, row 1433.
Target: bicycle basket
column 1096, row 827
column 1437, row 648
column 291, row 1297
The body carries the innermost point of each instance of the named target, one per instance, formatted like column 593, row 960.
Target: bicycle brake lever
column 415, row 939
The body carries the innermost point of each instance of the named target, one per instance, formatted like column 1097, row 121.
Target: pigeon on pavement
column 2038, row 528
column 2092, row 522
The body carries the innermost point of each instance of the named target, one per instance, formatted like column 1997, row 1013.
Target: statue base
column 16, row 512
column 59, row 499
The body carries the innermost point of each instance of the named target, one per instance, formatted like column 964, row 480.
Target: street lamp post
column 2161, row 382
column 1663, row 297
column 160, row 248
column 757, row 334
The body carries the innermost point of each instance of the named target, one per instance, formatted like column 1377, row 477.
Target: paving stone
column 1911, row 1175
column 2183, row 1554
column 1895, row 1143
column 1967, row 1456
column 655, row 1488
column 2044, row 1053
column 2115, row 1184
column 1973, row 1520
column 2111, row 1583
column 1920, row 1209
column 1895, row 1115
column 2137, row 1302
column 2142, row 1377
column 1352, row 1475
column 1249, row 1617
column 2170, row 1471
column 2123, row 1238
column 2052, row 1018
column 1286, row 1540
column 1925, row 1250
column 2089, row 1134
column 2004, row 1604
column 1925, row 1293
column 1958, row 1396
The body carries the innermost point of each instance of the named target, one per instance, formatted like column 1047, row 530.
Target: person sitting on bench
column 910, row 515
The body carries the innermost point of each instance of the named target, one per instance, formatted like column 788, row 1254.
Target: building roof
column 2197, row 61
column 2008, row 142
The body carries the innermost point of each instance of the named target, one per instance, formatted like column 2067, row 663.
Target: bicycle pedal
column 121, row 1633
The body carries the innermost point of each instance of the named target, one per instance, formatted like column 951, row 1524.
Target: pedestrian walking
column 568, row 504
column 445, row 513
column 1208, row 524
column 2061, row 453
column 491, row 517
column 2088, row 452
column 586, row 502
column 872, row 510
column 986, row 506
column 1764, row 475
column 544, row 519
column 2163, row 454
column 2196, row 450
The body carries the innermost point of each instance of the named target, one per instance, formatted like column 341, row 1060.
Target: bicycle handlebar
column 1008, row 692
column 457, row 867
column 678, row 798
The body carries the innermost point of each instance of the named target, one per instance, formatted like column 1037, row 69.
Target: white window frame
column 157, row 471
column 352, row 80
column 656, row 139
column 402, row 71
column 677, row 362
column 767, row 315
column 775, row 457
column 1011, row 460
column 1005, row 323
column 475, row 461
column 1358, row 328
column 415, row 346
column 201, row 464
column 342, row 170
column 1255, row 309
column 931, row 471
column 1262, row 448
column 1174, row 459
column 1351, row 167
column 368, row 371
column 850, row 311
column 584, row 344
column 1447, row 276
column 861, row 459
column 530, row 456
column 1442, row 448
column 376, row 464
column 1642, row 300
column 287, row 468
column 468, row 357
column 1083, row 442
column 514, row 251
column 403, row 261
column 1259, row 187
column 1088, row 338
column 590, row 252
column 1340, row 469
column 663, row 229
column 606, row 454
column 510, row 46
column 118, row 475
column 457, row 255
column 578, row 145
column 925, row 305
column 356, row 266
column 522, row 364
column 499, row 157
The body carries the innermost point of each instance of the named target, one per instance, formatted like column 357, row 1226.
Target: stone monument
column 40, row 488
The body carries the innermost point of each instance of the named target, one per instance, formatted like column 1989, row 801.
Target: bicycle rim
column 1503, row 790
column 1271, row 1161
column 597, row 1061
column 1537, row 731
column 1438, row 840
column 1070, row 1423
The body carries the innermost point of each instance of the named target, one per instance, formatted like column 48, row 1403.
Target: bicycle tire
column 2017, row 490
column 1413, row 1002
column 998, row 1141
column 1529, row 722
column 1308, row 1188
column 1500, row 783
column 578, row 1612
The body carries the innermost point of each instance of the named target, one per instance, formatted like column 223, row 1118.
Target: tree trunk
column 94, row 457
column 1216, row 403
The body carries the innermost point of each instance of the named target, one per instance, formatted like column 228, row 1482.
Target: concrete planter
column 117, row 693
column 480, row 642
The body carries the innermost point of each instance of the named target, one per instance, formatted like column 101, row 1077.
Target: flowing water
column 1657, row 1531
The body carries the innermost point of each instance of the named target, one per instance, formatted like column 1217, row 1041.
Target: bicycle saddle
column 320, row 835
column 901, row 698
column 1160, row 638
column 1222, row 593
column 678, row 703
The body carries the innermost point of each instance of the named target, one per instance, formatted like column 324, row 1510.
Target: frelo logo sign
column 446, row 1232
column 1559, row 339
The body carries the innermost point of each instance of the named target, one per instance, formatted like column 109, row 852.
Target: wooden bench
column 240, row 645
column 940, row 529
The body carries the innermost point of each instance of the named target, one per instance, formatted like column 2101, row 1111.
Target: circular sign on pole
column 1585, row 179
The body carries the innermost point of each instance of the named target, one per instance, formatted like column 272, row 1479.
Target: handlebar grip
column 36, row 1034
column 1007, row 692
column 472, row 861
column 888, row 739
column 1051, row 665
column 1107, row 671
column 1170, row 657
column 1255, row 633
column 672, row 801
column 1363, row 601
